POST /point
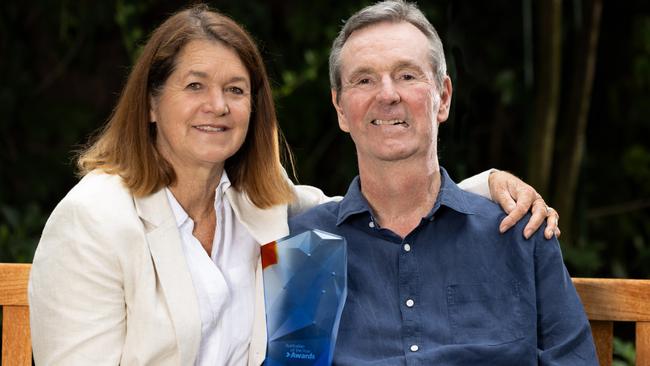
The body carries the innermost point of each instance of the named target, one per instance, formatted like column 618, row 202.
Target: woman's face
column 203, row 110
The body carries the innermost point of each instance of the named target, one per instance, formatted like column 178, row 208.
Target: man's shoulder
column 481, row 206
column 487, row 215
column 323, row 216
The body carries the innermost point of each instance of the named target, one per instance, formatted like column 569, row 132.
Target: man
column 430, row 279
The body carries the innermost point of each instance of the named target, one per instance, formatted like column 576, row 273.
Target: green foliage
column 624, row 353
column 584, row 258
column 641, row 63
column 636, row 165
column 293, row 79
column 64, row 63
column 127, row 17
column 19, row 232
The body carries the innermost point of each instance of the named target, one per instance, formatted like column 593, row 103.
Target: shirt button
column 407, row 247
column 371, row 224
column 410, row 303
column 414, row 348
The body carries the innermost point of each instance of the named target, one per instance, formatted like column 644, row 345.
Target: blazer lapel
column 257, row 351
column 265, row 225
column 175, row 279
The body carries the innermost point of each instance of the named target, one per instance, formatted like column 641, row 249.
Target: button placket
column 408, row 279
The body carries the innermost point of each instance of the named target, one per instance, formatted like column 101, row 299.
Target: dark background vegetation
column 557, row 92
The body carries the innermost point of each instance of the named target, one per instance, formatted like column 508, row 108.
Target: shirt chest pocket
column 487, row 313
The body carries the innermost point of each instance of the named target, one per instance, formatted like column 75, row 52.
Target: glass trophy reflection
column 305, row 285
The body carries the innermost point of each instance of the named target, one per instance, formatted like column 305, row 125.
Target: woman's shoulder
column 98, row 194
column 96, row 216
column 98, row 181
column 99, row 185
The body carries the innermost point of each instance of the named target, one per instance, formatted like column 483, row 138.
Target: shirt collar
column 224, row 184
column 449, row 195
column 180, row 214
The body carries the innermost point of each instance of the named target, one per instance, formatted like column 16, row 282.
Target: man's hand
column 516, row 197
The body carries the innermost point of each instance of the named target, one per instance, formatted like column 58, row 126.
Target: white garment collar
column 179, row 213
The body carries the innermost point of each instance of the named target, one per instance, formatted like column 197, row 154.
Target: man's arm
column 563, row 332
column 516, row 198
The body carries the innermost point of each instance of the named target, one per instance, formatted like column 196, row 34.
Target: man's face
column 389, row 101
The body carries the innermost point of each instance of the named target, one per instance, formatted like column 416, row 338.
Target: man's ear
column 343, row 122
column 445, row 100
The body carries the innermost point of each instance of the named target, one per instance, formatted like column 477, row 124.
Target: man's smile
column 389, row 122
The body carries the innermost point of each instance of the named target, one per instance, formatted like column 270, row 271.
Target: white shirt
column 224, row 282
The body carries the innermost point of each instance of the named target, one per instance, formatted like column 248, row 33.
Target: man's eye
column 408, row 77
column 194, row 86
column 364, row 81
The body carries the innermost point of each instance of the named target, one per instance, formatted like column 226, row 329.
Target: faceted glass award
column 305, row 285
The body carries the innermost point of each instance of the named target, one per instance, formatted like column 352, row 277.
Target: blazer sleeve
column 478, row 184
column 308, row 197
column 563, row 336
column 77, row 306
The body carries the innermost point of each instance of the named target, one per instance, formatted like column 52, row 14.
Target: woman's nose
column 216, row 103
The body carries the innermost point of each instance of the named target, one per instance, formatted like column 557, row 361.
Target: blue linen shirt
column 454, row 291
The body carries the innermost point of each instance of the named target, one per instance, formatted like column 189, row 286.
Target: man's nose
column 388, row 92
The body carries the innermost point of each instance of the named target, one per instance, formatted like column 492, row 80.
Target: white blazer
column 110, row 285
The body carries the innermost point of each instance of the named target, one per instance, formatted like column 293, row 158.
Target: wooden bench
column 607, row 300
column 16, row 342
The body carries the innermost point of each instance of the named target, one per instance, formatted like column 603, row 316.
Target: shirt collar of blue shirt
column 450, row 195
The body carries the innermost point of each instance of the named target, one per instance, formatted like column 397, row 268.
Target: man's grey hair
column 394, row 11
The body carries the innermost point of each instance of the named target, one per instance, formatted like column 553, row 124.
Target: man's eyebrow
column 407, row 65
column 360, row 71
column 401, row 65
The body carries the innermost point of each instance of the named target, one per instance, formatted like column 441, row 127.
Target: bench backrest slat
column 607, row 300
column 16, row 342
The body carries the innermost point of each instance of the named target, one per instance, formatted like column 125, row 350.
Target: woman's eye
column 194, row 86
column 236, row 90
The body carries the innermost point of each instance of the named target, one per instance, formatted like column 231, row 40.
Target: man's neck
column 400, row 194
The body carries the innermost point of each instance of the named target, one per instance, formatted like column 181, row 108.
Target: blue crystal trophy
column 305, row 285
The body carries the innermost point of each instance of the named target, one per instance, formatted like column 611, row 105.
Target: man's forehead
column 387, row 45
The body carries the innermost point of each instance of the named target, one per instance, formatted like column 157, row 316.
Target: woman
column 153, row 257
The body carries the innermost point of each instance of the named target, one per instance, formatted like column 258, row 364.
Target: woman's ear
column 153, row 115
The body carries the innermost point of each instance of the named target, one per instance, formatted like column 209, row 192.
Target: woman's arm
column 516, row 198
column 308, row 197
column 77, row 306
